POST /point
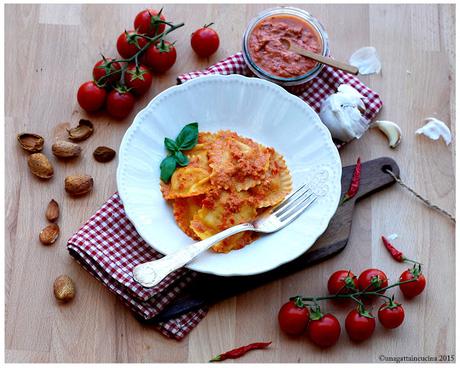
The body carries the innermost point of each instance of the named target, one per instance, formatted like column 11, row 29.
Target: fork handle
column 151, row 273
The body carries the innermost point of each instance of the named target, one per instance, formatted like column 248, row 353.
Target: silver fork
column 151, row 273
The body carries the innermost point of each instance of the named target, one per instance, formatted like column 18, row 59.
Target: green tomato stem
column 135, row 57
column 357, row 294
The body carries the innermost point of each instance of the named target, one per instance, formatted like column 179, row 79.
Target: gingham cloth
column 108, row 246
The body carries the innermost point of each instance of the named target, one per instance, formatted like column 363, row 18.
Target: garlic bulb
column 366, row 60
column 434, row 129
column 341, row 113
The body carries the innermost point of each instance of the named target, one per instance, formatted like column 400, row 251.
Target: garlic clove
column 366, row 60
column 434, row 129
column 391, row 130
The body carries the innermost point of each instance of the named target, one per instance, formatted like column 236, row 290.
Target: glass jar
column 305, row 17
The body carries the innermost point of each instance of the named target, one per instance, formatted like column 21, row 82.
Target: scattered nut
column 49, row 234
column 52, row 211
column 31, row 142
column 104, row 154
column 77, row 185
column 82, row 131
column 40, row 166
column 64, row 149
column 64, row 288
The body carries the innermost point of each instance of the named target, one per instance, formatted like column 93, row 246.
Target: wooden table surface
column 50, row 51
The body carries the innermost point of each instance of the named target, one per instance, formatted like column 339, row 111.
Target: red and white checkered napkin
column 108, row 246
column 313, row 92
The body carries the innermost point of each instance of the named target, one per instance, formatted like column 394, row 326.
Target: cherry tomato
column 372, row 279
column 391, row 315
column 293, row 319
column 145, row 22
column 120, row 103
column 90, row 96
column 413, row 288
column 161, row 56
column 359, row 327
column 340, row 281
column 205, row 41
column 104, row 67
column 324, row 332
column 128, row 45
column 138, row 79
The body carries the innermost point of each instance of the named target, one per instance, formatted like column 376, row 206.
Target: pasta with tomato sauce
column 228, row 181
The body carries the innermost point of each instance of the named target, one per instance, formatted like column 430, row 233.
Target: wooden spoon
column 319, row 58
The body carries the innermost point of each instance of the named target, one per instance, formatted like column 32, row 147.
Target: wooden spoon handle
column 325, row 60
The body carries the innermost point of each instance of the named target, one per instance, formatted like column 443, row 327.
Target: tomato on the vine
column 104, row 67
column 138, row 79
column 391, row 314
column 120, row 102
column 342, row 282
column 293, row 318
column 146, row 22
column 91, row 97
column 413, row 288
column 205, row 41
column 359, row 325
column 372, row 279
column 323, row 330
column 160, row 56
column 128, row 44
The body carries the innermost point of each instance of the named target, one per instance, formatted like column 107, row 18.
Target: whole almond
column 82, row 131
column 103, row 154
column 64, row 149
column 77, row 185
column 31, row 142
column 49, row 234
column 52, row 211
column 64, row 288
column 40, row 166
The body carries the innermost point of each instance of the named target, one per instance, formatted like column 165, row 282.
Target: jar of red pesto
column 267, row 56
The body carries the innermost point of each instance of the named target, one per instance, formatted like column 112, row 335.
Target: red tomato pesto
column 270, row 54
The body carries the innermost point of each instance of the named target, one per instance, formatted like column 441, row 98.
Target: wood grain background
column 50, row 51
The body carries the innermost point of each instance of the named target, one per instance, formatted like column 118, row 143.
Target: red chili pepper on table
column 395, row 253
column 238, row 352
column 354, row 185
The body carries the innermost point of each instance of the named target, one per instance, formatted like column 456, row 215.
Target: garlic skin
column 391, row 130
column 341, row 113
column 434, row 129
column 392, row 237
column 366, row 60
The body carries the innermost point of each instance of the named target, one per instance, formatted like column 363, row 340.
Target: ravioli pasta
column 227, row 180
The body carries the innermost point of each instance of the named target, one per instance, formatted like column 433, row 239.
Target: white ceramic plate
column 253, row 108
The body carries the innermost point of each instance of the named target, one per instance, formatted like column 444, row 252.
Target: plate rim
column 202, row 79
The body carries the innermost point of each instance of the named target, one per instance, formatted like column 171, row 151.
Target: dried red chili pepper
column 354, row 185
column 396, row 254
column 238, row 352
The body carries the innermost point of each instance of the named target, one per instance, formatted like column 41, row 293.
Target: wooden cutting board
column 207, row 289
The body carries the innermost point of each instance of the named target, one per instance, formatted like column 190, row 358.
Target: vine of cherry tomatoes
column 299, row 316
column 118, row 82
column 144, row 52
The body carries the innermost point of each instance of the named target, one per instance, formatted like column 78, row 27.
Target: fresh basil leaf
column 181, row 159
column 167, row 167
column 171, row 145
column 188, row 137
